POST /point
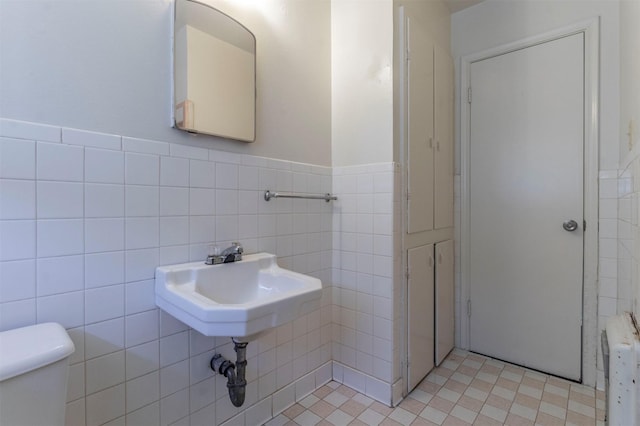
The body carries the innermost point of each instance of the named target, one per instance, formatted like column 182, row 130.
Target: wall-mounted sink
column 239, row 299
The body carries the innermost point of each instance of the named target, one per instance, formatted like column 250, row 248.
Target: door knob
column 570, row 225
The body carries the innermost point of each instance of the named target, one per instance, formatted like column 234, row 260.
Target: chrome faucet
column 228, row 255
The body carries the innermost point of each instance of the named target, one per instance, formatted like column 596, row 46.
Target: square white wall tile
column 142, row 200
column 105, row 371
column 60, row 200
column 141, row 328
column 17, row 280
column 202, row 201
column 174, row 201
column 103, row 166
column 104, row 338
column 140, row 296
column 17, row 199
column 174, row 171
column 17, row 314
column 143, row 391
column 18, row 239
column 174, row 230
column 142, row 169
column 141, row 232
column 103, row 200
column 104, row 303
column 142, row 359
column 104, row 235
column 66, row 309
column 60, row 275
column 59, row 162
column 202, row 174
column 60, row 237
column 17, row 159
column 106, row 405
column 104, row 269
column 226, row 176
column 201, row 229
column 140, row 264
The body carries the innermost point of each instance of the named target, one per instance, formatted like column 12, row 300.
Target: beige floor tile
column 339, row 418
column 582, row 398
column 493, row 412
column 346, row 391
column 412, row 405
column 455, row 386
column 585, row 410
column 532, row 382
column 578, row 419
column 358, row 422
column 464, row 414
column 527, row 401
column 420, row 421
column 470, row 403
column 454, row 421
column 371, row 417
column 498, row 402
column 554, row 399
column 507, row 384
column 467, row 370
column 552, row 410
column 530, row 391
column 323, row 391
column 516, row 420
column 481, row 385
column 544, row 419
column 294, row 411
column 381, row 408
column 441, row 404
column 390, row 422
column 433, row 415
column 483, row 420
column 491, row 369
column 322, row 408
column 353, row 408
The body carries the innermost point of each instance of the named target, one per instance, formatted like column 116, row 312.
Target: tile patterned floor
column 467, row 389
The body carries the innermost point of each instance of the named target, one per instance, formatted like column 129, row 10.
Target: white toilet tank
column 33, row 375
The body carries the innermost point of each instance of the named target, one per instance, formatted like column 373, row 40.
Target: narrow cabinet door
column 443, row 161
column 420, row 131
column 420, row 325
column 445, row 327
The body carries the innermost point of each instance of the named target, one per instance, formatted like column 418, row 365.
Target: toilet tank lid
column 25, row 349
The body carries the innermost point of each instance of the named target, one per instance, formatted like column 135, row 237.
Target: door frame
column 591, row 30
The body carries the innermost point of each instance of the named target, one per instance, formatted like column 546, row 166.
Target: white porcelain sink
column 239, row 299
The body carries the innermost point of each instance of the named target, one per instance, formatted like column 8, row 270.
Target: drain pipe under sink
column 235, row 373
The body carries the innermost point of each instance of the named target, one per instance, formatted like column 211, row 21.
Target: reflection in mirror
column 214, row 73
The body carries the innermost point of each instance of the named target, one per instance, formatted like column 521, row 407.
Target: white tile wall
column 363, row 279
column 628, row 268
column 85, row 218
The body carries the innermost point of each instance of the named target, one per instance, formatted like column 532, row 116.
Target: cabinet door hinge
column 469, row 308
column 469, row 95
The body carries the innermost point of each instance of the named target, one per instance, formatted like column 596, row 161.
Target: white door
column 420, row 129
column 445, row 302
column 420, row 306
column 526, row 180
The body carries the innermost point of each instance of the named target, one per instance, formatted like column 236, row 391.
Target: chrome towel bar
column 268, row 195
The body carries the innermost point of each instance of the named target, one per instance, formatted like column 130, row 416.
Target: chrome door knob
column 570, row 225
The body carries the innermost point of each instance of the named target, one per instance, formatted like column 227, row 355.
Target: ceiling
column 457, row 5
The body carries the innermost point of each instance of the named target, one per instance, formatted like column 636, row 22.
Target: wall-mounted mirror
column 214, row 73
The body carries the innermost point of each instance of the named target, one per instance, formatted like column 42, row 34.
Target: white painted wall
column 362, row 83
column 496, row 22
column 105, row 66
column 629, row 72
column 628, row 291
